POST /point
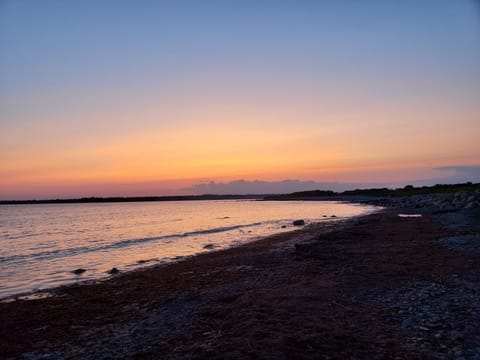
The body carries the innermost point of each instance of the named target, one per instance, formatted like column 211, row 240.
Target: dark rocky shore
column 460, row 200
column 377, row 287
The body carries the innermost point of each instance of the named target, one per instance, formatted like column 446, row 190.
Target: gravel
column 129, row 337
column 442, row 319
column 469, row 243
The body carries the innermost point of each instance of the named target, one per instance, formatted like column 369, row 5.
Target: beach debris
column 299, row 222
column 113, row 271
column 284, row 226
column 78, row 271
column 209, row 246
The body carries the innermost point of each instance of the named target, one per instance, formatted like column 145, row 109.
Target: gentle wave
column 220, row 229
column 45, row 255
column 40, row 246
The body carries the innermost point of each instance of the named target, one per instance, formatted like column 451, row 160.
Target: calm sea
column 40, row 245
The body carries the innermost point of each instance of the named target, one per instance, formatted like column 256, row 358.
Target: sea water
column 41, row 244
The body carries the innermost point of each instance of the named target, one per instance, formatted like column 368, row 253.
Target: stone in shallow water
column 113, row 271
column 209, row 246
column 299, row 222
column 78, row 271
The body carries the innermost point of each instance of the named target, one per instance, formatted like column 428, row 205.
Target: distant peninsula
column 95, row 199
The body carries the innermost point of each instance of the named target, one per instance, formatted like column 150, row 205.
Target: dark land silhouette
column 325, row 194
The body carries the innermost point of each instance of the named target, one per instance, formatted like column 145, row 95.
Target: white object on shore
column 410, row 215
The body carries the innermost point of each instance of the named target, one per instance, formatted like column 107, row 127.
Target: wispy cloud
column 469, row 170
column 445, row 175
column 456, row 174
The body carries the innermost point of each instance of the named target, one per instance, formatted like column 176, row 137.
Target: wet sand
column 380, row 286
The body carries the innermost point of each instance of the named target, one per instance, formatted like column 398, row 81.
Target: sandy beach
column 379, row 286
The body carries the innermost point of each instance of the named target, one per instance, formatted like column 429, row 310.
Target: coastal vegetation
column 408, row 190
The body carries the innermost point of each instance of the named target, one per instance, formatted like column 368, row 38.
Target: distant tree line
column 382, row 192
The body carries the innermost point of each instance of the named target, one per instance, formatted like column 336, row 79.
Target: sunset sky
column 108, row 98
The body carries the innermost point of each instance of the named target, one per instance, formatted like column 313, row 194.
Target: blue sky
column 325, row 77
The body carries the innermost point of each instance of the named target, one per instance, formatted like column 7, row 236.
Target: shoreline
column 302, row 294
column 208, row 241
column 308, row 230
